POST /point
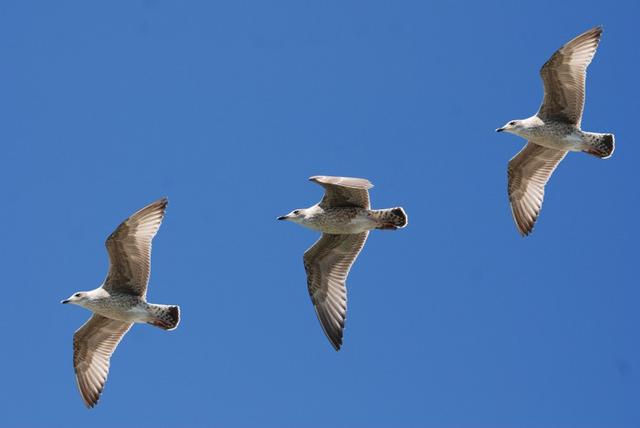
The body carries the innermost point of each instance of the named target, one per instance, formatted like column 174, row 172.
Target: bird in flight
column 344, row 216
column 120, row 301
column 554, row 130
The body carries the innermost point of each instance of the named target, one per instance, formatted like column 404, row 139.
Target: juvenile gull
column 554, row 130
column 120, row 301
column 344, row 216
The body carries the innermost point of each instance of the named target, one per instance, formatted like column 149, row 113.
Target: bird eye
column 296, row 212
column 77, row 295
column 513, row 122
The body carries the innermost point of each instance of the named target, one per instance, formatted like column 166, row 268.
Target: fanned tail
column 600, row 145
column 167, row 317
column 391, row 218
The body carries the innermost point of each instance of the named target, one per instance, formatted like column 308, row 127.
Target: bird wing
column 344, row 191
column 327, row 264
column 93, row 345
column 129, row 248
column 528, row 173
column 564, row 77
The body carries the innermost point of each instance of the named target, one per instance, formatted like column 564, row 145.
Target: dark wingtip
column 525, row 230
column 333, row 333
column 335, row 340
column 597, row 30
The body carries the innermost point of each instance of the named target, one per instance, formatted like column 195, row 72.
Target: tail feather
column 392, row 218
column 601, row 145
column 167, row 317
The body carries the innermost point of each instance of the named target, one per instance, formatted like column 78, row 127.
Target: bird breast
column 340, row 221
column 121, row 307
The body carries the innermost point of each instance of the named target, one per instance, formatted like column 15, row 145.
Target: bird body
column 129, row 308
column 120, row 301
column 344, row 216
column 558, row 135
column 347, row 220
column 554, row 130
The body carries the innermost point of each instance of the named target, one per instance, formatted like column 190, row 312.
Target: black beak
column 64, row 302
column 499, row 129
column 282, row 217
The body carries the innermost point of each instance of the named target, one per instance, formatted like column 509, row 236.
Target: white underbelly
column 361, row 223
column 570, row 142
column 132, row 314
column 358, row 224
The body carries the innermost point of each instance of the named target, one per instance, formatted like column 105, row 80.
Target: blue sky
column 228, row 108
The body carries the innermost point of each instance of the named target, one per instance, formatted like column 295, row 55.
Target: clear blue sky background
column 227, row 109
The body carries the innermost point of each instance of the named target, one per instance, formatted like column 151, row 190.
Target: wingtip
column 161, row 203
column 327, row 179
column 335, row 340
column 525, row 229
column 335, row 335
column 596, row 32
column 90, row 399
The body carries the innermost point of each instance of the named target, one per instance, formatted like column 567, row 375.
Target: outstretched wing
column 327, row 264
column 344, row 191
column 93, row 345
column 564, row 76
column 129, row 248
column 528, row 173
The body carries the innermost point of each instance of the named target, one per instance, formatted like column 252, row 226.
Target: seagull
column 120, row 301
column 344, row 216
column 554, row 130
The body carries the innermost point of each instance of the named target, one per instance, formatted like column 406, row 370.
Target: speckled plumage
column 120, row 301
column 126, row 307
column 339, row 220
column 344, row 216
column 554, row 130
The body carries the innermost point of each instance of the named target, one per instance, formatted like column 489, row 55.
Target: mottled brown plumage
column 344, row 192
column 129, row 248
column 327, row 264
column 529, row 172
column 554, row 130
column 120, row 301
column 93, row 345
column 564, row 76
column 344, row 217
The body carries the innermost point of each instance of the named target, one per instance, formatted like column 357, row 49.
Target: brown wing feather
column 564, row 76
column 129, row 248
column 327, row 264
column 93, row 345
column 344, row 191
column 528, row 173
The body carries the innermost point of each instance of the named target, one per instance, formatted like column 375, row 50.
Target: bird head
column 78, row 298
column 296, row 216
column 512, row 127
